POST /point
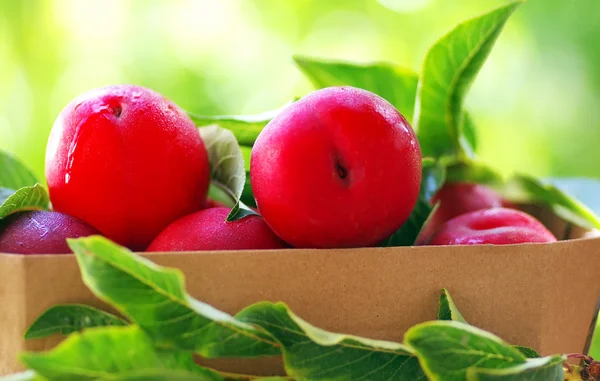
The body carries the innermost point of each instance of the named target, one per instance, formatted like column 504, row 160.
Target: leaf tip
column 28, row 335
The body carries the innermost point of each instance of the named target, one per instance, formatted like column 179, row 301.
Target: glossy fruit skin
column 208, row 230
column 41, row 232
column 341, row 167
column 496, row 226
column 459, row 198
column 456, row 199
column 128, row 161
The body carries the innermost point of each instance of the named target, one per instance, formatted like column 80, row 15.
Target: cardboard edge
column 288, row 251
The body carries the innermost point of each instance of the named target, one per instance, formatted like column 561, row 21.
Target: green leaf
column 227, row 169
column 448, row 349
column 449, row 70
column 524, row 188
column 226, row 159
column 246, row 128
column 244, row 377
column 14, row 174
column 99, row 353
column 527, row 352
column 156, row 375
column 156, row 300
column 310, row 353
column 23, row 376
column 25, row 198
column 468, row 139
column 447, row 309
column 397, row 85
column 470, row 171
column 247, row 196
column 177, row 375
column 433, row 178
column 239, row 211
column 218, row 192
column 540, row 369
column 409, row 232
column 66, row 319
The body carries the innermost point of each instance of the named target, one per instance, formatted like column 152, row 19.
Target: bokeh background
column 536, row 101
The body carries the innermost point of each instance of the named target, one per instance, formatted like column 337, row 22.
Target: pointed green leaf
column 156, row 299
column 14, row 174
column 448, row 72
column 225, row 158
column 26, row 198
column 447, row 309
column 527, row 352
column 227, row 169
column 246, row 128
column 539, row 369
column 396, row 85
column 66, row 319
column 218, row 192
column 100, row 353
column 448, row 349
column 524, row 188
column 239, row 211
column 310, row 353
column 247, row 194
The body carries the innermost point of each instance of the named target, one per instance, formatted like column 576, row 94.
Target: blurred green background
column 536, row 101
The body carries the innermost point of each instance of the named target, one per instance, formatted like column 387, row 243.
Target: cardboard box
column 544, row 296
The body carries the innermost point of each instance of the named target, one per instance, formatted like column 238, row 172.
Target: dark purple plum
column 40, row 232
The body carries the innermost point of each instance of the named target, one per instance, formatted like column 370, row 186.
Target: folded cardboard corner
column 543, row 296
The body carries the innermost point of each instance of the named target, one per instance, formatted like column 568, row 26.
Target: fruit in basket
column 496, row 226
column 341, row 167
column 208, row 230
column 40, row 232
column 459, row 198
column 128, row 161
